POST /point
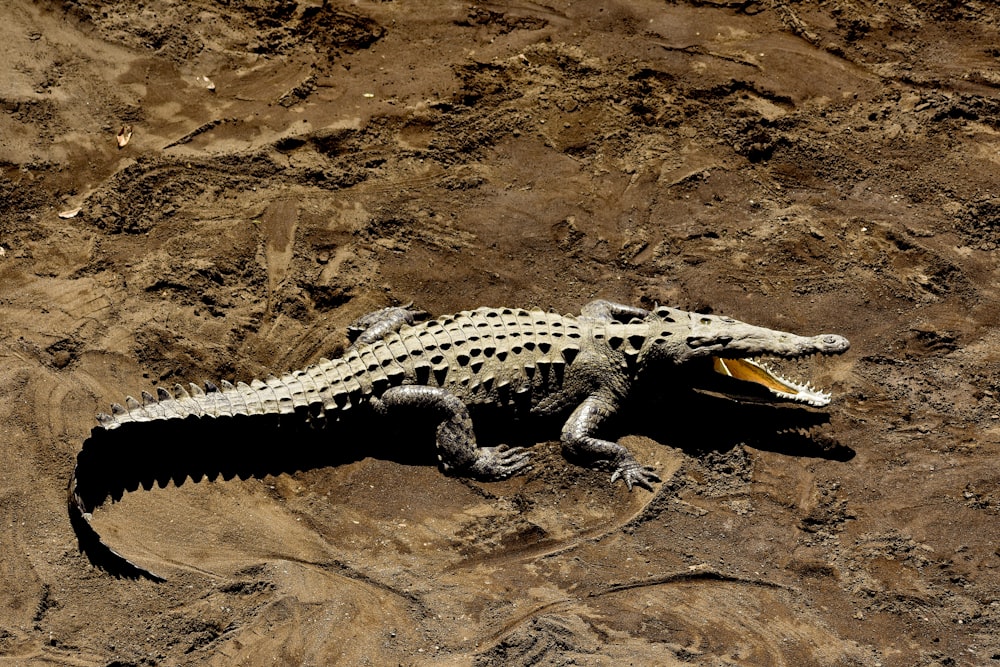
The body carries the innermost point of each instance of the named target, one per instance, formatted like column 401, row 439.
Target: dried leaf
column 70, row 213
column 124, row 135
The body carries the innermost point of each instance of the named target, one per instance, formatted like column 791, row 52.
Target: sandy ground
column 292, row 165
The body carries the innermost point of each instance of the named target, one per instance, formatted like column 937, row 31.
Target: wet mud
column 290, row 166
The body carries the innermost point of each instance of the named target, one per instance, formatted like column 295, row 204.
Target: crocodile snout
column 833, row 344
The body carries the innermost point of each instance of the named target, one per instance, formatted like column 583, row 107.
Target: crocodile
column 536, row 362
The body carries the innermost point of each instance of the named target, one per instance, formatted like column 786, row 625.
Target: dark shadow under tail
column 141, row 455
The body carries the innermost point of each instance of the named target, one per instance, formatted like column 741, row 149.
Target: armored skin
column 542, row 363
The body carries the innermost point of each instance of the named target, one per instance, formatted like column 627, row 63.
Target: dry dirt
column 806, row 166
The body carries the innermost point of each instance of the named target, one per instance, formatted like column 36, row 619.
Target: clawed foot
column 496, row 463
column 635, row 474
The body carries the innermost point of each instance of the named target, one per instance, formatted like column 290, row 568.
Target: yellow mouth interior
column 748, row 371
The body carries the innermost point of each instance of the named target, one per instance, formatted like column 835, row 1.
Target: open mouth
column 756, row 372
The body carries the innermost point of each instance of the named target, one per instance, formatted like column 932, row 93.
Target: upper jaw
column 786, row 346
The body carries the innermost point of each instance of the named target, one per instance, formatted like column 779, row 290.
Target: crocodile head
column 712, row 346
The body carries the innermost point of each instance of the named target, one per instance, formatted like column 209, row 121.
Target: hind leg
column 609, row 311
column 456, row 441
column 380, row 323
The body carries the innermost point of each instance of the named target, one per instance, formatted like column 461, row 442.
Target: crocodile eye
column 706, row 321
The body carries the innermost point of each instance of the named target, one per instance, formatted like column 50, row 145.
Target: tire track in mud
column 696, row 617
column 278, row 225
column 24, row 587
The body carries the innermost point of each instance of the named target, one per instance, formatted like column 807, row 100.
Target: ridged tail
column 110, row 463
column 294, row 392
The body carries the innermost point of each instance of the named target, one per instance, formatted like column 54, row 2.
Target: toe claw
column 501, row 462
column 634, row 474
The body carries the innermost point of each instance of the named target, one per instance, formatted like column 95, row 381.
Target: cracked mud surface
column 805, row 166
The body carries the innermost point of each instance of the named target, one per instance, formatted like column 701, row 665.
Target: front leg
column 456, row 441
column 578, row 437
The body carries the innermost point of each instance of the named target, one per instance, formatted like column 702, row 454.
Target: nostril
column 834, row 341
